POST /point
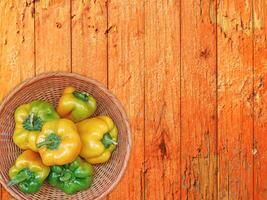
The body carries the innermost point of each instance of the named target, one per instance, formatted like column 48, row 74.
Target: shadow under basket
column 50, row 87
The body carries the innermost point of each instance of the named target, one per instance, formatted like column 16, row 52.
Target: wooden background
column 192, row 75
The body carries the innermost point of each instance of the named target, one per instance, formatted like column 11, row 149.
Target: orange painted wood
column 89, row 38
column 260, row 99
column 198, row 100
column 53, row 35
column 126, row 81
column 16, row 49
column 16, row 43
column 162, row 104
column 235, row 100
column 189, row 77
column 6, row 196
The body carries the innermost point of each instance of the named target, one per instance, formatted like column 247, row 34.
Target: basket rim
column 101, row 86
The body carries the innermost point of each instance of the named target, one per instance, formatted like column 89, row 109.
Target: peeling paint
column 212, row 13
column 112, row 28
column 254, row 151
column 247, row 5
column 47, row 3
column 12, row 57
column 22, row 39
column 197, row 175
column 258, row 23
column 81, row 7
column 230, row 21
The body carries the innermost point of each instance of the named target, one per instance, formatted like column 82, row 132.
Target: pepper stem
column 52, row 141
column 107, row 140
column 46, row 142
column 33, row 122
column 65, row 177
column 81, row 95
column 20, row 177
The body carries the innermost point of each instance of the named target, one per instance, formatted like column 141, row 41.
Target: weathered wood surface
column 235, row 100
column 260, row 99
column 198, row 100
column 191, row 75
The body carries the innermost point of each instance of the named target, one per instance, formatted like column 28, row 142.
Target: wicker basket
column 49, row 87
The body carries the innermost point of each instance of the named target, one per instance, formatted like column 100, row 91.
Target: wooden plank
column 198, row 100
column 235, row 100
column 16, row 48
column 52, row 35
column 89, row 38
column 162, row 94
column 260, row 99
column 126, row 81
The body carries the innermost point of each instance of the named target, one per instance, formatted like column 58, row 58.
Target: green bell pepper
column 72, row 177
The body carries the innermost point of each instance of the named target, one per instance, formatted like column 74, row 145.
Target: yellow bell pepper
column 99, row 138
column 76, row 105
column 29, row 120
column 59, row 142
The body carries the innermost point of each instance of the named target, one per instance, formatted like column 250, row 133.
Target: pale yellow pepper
column 99, row 138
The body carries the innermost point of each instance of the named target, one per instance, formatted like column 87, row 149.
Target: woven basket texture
column 50, row 87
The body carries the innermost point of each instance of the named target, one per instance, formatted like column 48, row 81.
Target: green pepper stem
column 18, row 179
column 46, row 142
column 107, row 140
column 81, row 95
column 33, row 122
column 52, row 141
column 65, row 177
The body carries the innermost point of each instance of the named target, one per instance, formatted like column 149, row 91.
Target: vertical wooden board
column 16, row 48
column 126, row 81
column 198, row 100
column 235, row 100
column 260, row 99
column 89, row 38
column 162, row 94
column 52, row 35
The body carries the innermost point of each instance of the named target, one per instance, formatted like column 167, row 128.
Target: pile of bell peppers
column 61, row 144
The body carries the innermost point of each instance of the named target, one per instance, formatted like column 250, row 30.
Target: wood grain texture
column 16, row 43
column 126, row 81
column 89, row 38
column 192, row 138
column 198, row 100
column 16, row 48
column 162, row 105
column 235, row 99
column 260, row 99
column 52, row 35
